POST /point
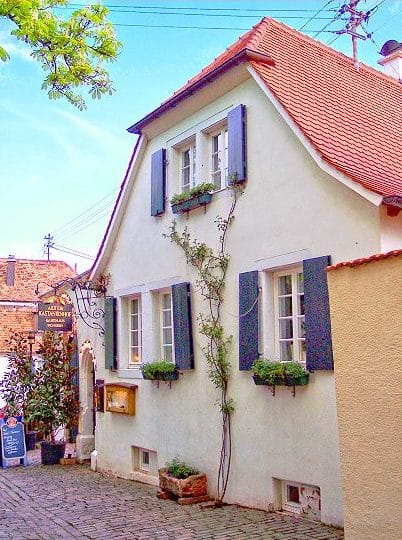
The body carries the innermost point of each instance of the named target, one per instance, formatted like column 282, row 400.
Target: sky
column 60, row 168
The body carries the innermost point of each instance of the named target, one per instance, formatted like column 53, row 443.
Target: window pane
column 216, row 180
column 286, row 329
column 185, row 158
column 302, row 350
column 134, row 339
column 301, row 328
column 168, row 353
column 293, row 494
column 134, row 322
column 300, row 283
column 167, row 336
column 286, row 351
column 145, row 457
column 167, row 318
column 135, row 354
column 166, row 301
column 285, row 306
column 300, row 304
column 285, row 285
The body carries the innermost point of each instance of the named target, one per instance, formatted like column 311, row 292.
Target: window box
column 192, row 204
column 279, row 374
column 120, row 398
column 160, row 371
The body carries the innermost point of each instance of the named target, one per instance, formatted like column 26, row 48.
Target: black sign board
column 12, row 440
column 55, row 317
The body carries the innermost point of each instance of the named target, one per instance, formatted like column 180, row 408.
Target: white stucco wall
column 290, row 210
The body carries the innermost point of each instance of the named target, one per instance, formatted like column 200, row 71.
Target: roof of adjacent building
column 28, row 274
column 365, row 260
column 353, row 118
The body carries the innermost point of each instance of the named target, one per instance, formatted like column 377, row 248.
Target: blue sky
column 60, row 168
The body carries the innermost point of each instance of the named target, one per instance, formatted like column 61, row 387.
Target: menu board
column 12, row 439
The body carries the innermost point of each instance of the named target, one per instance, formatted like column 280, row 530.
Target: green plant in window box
column 197, row 196
column 162, row 370
column 279, row 373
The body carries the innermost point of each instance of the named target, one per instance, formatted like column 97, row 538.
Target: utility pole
column 48, row 245
column 356, row 19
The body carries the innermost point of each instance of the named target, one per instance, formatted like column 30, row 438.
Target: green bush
column 180, row 470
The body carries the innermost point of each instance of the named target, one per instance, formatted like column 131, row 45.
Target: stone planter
column 195, row 485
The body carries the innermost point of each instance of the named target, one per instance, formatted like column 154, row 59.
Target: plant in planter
column 54, row 397
column 183, row 482
column 279, row 373
column 161, row 370
column 17, row 385
column 199, row 195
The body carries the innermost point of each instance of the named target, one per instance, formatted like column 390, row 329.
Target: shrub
column 180, row 470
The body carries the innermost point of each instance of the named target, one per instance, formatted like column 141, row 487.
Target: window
column 219, row 158
column 188, row 157
column 289, row 316
column 166, row 326
column 135, row 331
column 291, row 497
column 144, row 460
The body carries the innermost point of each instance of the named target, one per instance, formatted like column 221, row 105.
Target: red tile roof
column 352, row 118
column 28, row 273
column 365, row 260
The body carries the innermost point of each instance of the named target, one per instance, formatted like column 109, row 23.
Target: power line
column 88, row 218
column 202, row 27
column 316, row 13
column 89, row 257
column 85, row 226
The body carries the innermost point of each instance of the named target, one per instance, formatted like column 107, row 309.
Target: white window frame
column 137, row 330
column 295, row 317
column 191, row 149
column 287, row 505
column 163, row 345
column 222, row 154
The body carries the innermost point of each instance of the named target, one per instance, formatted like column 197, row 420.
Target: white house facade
column 298, row 213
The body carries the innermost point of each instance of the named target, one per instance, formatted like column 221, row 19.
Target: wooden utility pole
column 356, row 19
column 48, row 245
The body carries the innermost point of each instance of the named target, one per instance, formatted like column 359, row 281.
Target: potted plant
column 17, row 385
column 279, row 373
column 54, row 397
column 199, row 195
column 183, row 482
column 162, row 370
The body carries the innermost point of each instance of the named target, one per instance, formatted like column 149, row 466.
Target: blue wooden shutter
column 248, row 319
column 317, row 316
column 237, row 170
column 182, row 327
column 110, row 333
column 158, row 182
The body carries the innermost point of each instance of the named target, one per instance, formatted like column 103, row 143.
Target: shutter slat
column 110, row 333
column 158, row 182
column 248, row 319
column 317, row 315
column 182, row 326
column 237, row 169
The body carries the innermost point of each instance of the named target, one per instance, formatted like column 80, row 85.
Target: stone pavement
column 67, row 502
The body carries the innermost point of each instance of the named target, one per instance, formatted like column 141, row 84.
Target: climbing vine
column 211, row 266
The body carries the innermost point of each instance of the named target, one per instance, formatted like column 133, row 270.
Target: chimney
column 392, row 61
column 10, row 276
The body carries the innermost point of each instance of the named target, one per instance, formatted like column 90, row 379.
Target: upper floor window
column 188, row 160
column 289, row 316
column 135, row 331
column 166, row 325
column 219, row 158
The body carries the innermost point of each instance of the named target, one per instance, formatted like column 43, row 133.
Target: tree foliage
column 71, row 50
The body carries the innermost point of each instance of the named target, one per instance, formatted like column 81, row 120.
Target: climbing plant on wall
column 211, row 265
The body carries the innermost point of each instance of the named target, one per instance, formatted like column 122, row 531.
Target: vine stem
column 211, row 267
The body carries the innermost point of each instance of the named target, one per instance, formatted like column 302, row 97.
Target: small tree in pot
column 54, row 398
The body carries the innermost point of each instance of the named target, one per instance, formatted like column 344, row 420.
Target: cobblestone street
column 52, row 502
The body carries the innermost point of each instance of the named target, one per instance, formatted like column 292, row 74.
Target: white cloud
column 15, row 48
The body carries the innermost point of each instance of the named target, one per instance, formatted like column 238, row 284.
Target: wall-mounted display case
column 120, row 398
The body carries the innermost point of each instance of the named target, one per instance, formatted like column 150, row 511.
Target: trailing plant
column 159, row 370
column 211, row 266
column 179, row 469
column 196, row 191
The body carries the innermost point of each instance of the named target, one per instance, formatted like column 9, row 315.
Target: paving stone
column 72, row 502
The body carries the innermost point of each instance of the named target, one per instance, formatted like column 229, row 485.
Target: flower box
column 287, row 381
column 192, row 204
column 162, row 376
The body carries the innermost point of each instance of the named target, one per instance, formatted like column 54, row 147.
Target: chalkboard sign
column 12, row 440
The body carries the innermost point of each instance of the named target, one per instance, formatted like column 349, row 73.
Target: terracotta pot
column 195, row 485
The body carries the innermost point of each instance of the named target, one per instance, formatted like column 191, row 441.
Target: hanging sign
column 12, row 440
column 55, row 317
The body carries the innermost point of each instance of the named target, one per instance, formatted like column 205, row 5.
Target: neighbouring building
column 315, row 144
column 366, row 317
column 19, row 279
